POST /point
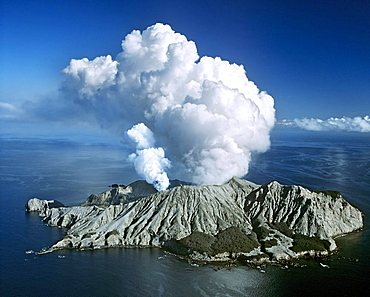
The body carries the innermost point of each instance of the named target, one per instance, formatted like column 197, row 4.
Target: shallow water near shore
column 70, row 171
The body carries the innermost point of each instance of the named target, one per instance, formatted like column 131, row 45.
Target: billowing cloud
column 203, row 113
column 91, row 76
column 142, row 136
column 356, row 124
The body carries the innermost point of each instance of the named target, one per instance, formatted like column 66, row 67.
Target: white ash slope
column 180, row 211
column 311, row 213
column 174, row 213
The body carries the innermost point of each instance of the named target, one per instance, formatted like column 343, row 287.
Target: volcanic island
column 237, row 222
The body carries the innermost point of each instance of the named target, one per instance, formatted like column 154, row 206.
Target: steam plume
column 149, row 161
column 204, row 113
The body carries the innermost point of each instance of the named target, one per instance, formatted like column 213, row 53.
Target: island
column 237, row 221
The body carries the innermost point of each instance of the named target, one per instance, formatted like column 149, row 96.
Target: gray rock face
column 305, row 212
column 121, row 194
column 274, row 215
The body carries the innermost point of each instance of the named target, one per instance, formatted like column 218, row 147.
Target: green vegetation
column 303, row 243
column 283, row 228
column 175, row 247
column 269, row 243
column 234, row 240
column 198, row 241
column 262, row 232
column 230, row 240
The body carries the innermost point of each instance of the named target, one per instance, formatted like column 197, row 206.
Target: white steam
column 356, row 124
column 149, row 162
column 142, row 136
column 204, row 112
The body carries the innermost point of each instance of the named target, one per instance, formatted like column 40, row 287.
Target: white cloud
column 91, row 76
column 142, row 136
column 356, row 124
column 9, row 111
column 204, row 113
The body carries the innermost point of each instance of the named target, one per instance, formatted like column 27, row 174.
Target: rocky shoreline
column 236, row 222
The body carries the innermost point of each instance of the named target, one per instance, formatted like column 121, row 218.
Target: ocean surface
column 69, row 171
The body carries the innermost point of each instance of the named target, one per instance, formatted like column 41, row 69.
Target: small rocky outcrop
column 38, row 205
column 237, row 220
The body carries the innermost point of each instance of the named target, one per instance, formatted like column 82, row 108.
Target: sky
column 313, row 57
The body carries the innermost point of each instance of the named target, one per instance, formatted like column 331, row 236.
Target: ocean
column 70, row 170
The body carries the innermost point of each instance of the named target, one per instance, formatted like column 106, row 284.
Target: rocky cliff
column 237, row 219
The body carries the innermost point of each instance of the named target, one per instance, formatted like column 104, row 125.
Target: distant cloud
column 9, row 111
column 356, row 124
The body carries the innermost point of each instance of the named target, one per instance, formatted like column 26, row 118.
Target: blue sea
column 71, row 170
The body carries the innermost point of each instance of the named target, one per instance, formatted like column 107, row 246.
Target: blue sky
column 313, row 57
